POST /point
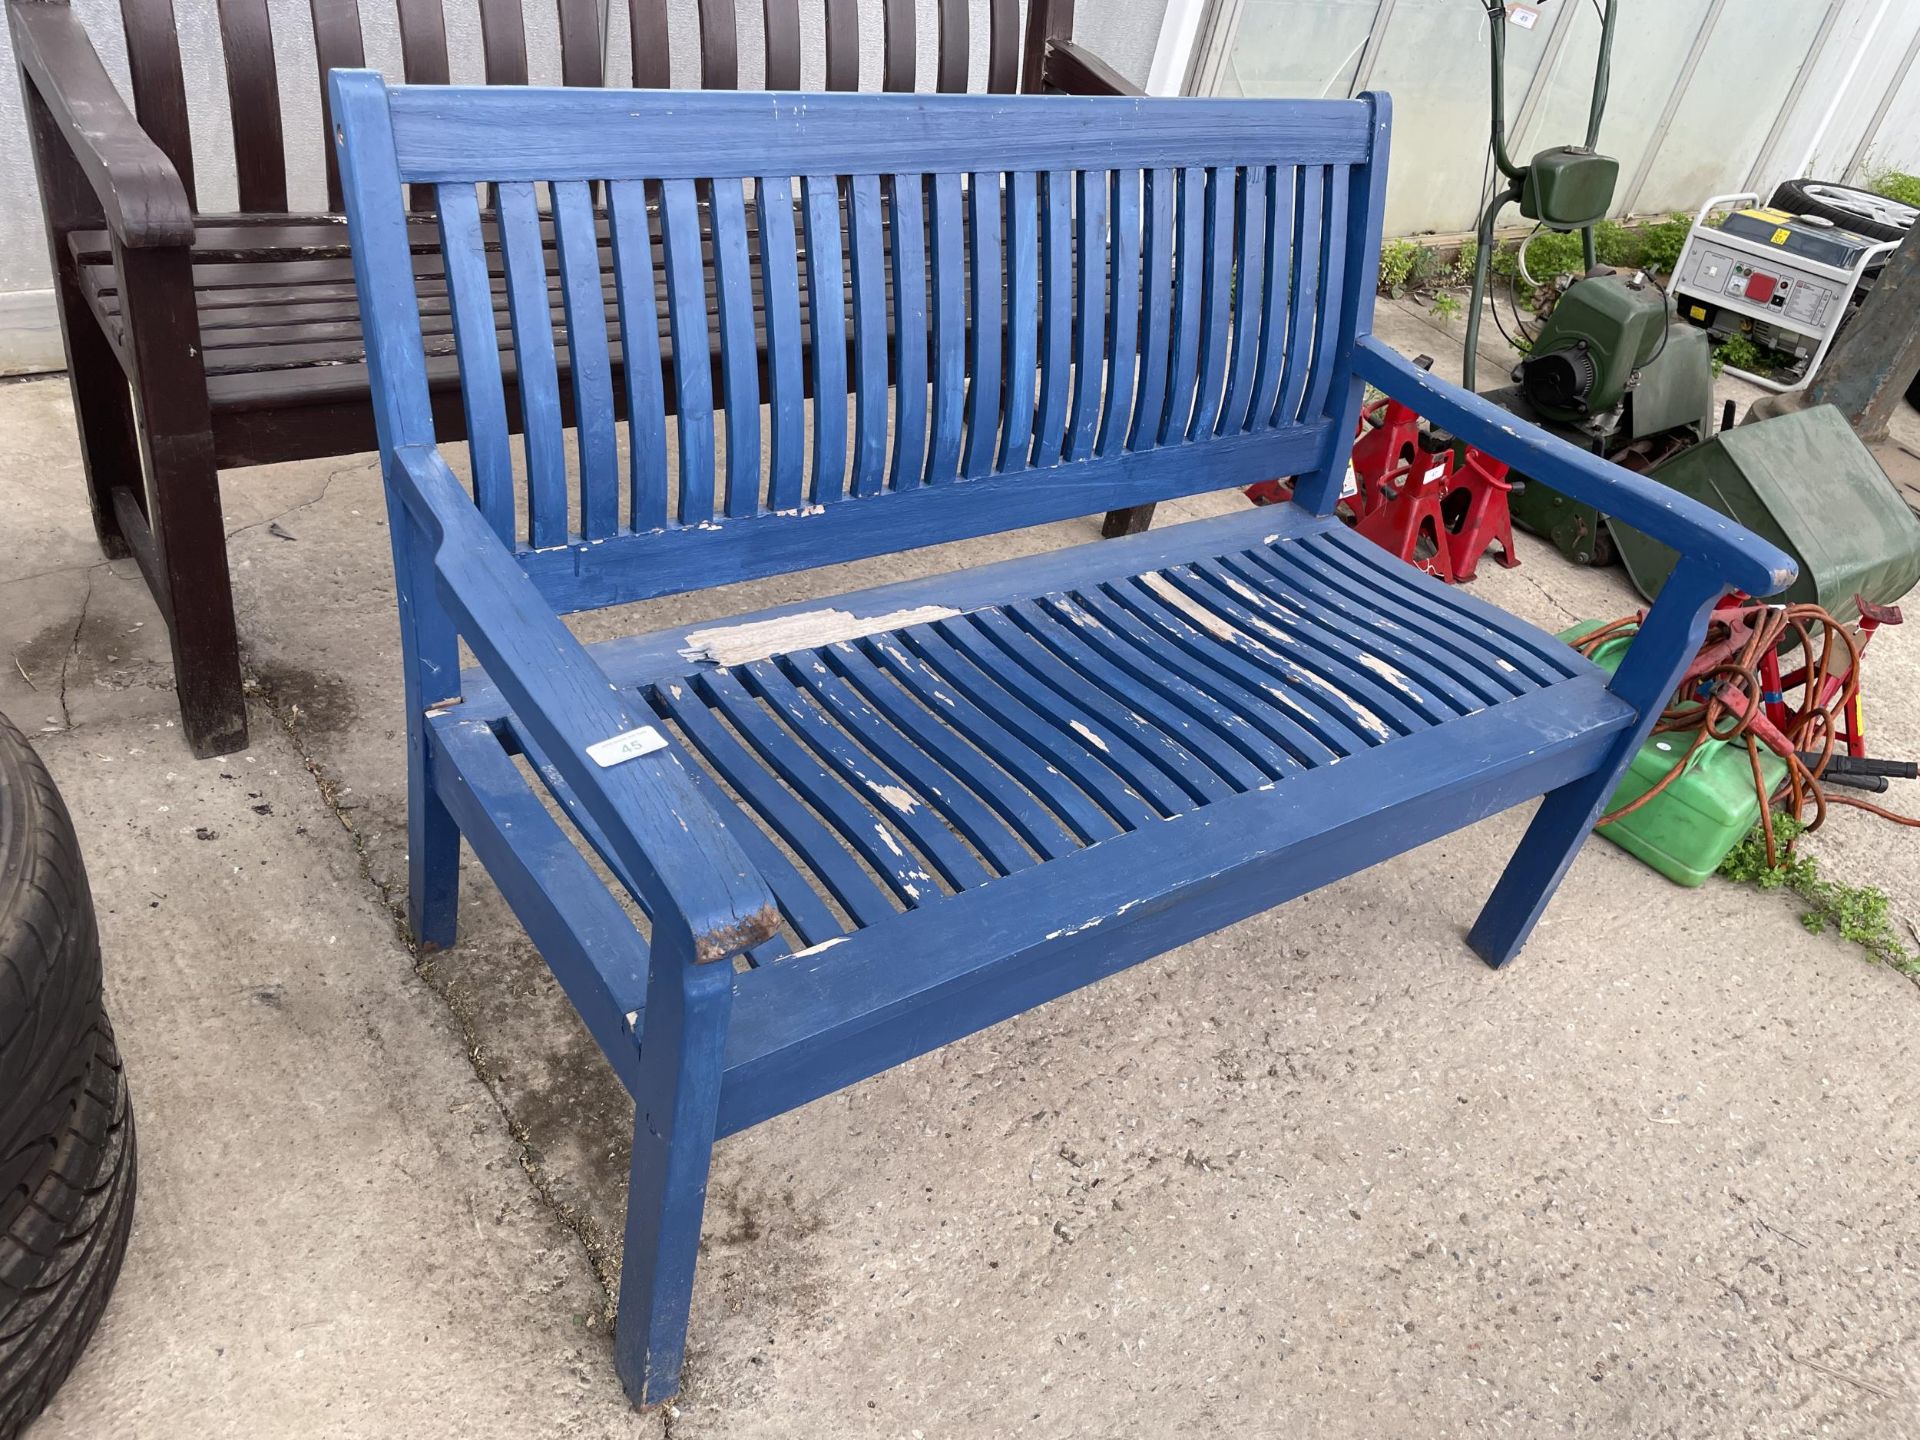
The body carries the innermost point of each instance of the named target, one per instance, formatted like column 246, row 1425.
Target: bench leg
column 433, row 864
column 1132, row 521
column 683, row 1036
column 178, row 535
column 109, row 451
column 1646, row 680
column 109, row 447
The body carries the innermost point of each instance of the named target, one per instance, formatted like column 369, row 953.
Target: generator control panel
column 1766, row 290
column 1785, row 280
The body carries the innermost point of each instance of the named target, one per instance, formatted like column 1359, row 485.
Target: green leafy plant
column 1861, row 914
column 1461, row 272
column 1896, row 185
column 1742, row 353
column 1614, row 244
column 1661, row 243
column 1446, row 306
column 1397, row 261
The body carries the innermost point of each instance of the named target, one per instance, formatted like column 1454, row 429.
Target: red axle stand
column 1423, row 506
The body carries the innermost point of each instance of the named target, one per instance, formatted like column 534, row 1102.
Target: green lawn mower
column 1612, row 368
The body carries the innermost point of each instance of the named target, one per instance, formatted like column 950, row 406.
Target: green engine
column 1603, row 330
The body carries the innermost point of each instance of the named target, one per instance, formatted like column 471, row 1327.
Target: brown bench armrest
column 1072, row 69
column 140, row 193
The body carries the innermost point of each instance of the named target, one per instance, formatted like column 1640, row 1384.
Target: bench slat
column 1190, row 274
column 780, row 25
column 1333, row 276
column 1023, row 318
column 451, row 132
column 589, row 364
column 471, row 301
column 253, row 100
column 866, row 246
column 1216, row 305
column 1056, row 315
column 827, row 328
column 1253, row 283
column 635, row 281
column 689, row 322
column 1123, row 309
column 1283, row 181
column 786, row 380
column 1156, row 313
column 739, row 349
column 541, row 437
column 1090, row 313
column 985, row 203
column 912, row 338
column 948, row 219
column 1306, row 291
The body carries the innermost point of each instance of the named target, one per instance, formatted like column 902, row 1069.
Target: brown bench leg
column 177, row 533
column 1132, row 521
column 109, row 453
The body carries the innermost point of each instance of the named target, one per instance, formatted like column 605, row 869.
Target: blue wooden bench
column 771, row 857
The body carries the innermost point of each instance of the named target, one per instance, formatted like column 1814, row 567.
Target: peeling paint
column 899, row 798
column 1393, row 677
column 1193, row 609
column 886, row 838
column 1087, row 735
column 816, row 949
column 1075, row 929
column 761, row 639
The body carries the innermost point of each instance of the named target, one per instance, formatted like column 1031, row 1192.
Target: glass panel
column 1434, row 64
column 1297, row 49
column 1724, row 117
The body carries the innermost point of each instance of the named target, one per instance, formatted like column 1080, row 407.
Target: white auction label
column 626, row 746
column 1525, row 16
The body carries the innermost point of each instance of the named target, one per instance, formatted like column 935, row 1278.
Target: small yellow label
column 1780, row 237
column 1698, row 312
column 1767, row 212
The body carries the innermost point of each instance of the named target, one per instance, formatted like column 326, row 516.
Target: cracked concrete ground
column 1320, row 1174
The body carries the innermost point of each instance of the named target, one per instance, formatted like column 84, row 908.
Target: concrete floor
column 1320, row 1175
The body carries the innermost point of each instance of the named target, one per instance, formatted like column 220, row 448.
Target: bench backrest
column 1057, row 307
column 339, row 33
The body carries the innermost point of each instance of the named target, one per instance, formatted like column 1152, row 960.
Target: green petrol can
column 1686, row 830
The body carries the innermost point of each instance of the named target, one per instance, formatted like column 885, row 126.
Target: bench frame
column 131, row 183
column 664, row 1009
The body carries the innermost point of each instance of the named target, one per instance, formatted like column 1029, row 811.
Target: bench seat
column 1135, row 735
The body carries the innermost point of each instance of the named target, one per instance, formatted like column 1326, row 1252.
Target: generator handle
column 1715, row 202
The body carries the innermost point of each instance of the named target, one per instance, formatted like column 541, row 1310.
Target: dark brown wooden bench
column 199, row 342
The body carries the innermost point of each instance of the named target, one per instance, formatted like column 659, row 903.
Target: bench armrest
column 140, row 194
column 1729, row 550
column 1072, row 69
column 660, row 828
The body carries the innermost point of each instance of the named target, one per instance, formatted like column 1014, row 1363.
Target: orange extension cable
column 1724, row 702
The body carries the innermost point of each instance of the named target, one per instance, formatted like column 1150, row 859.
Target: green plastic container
column 1687, row 830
